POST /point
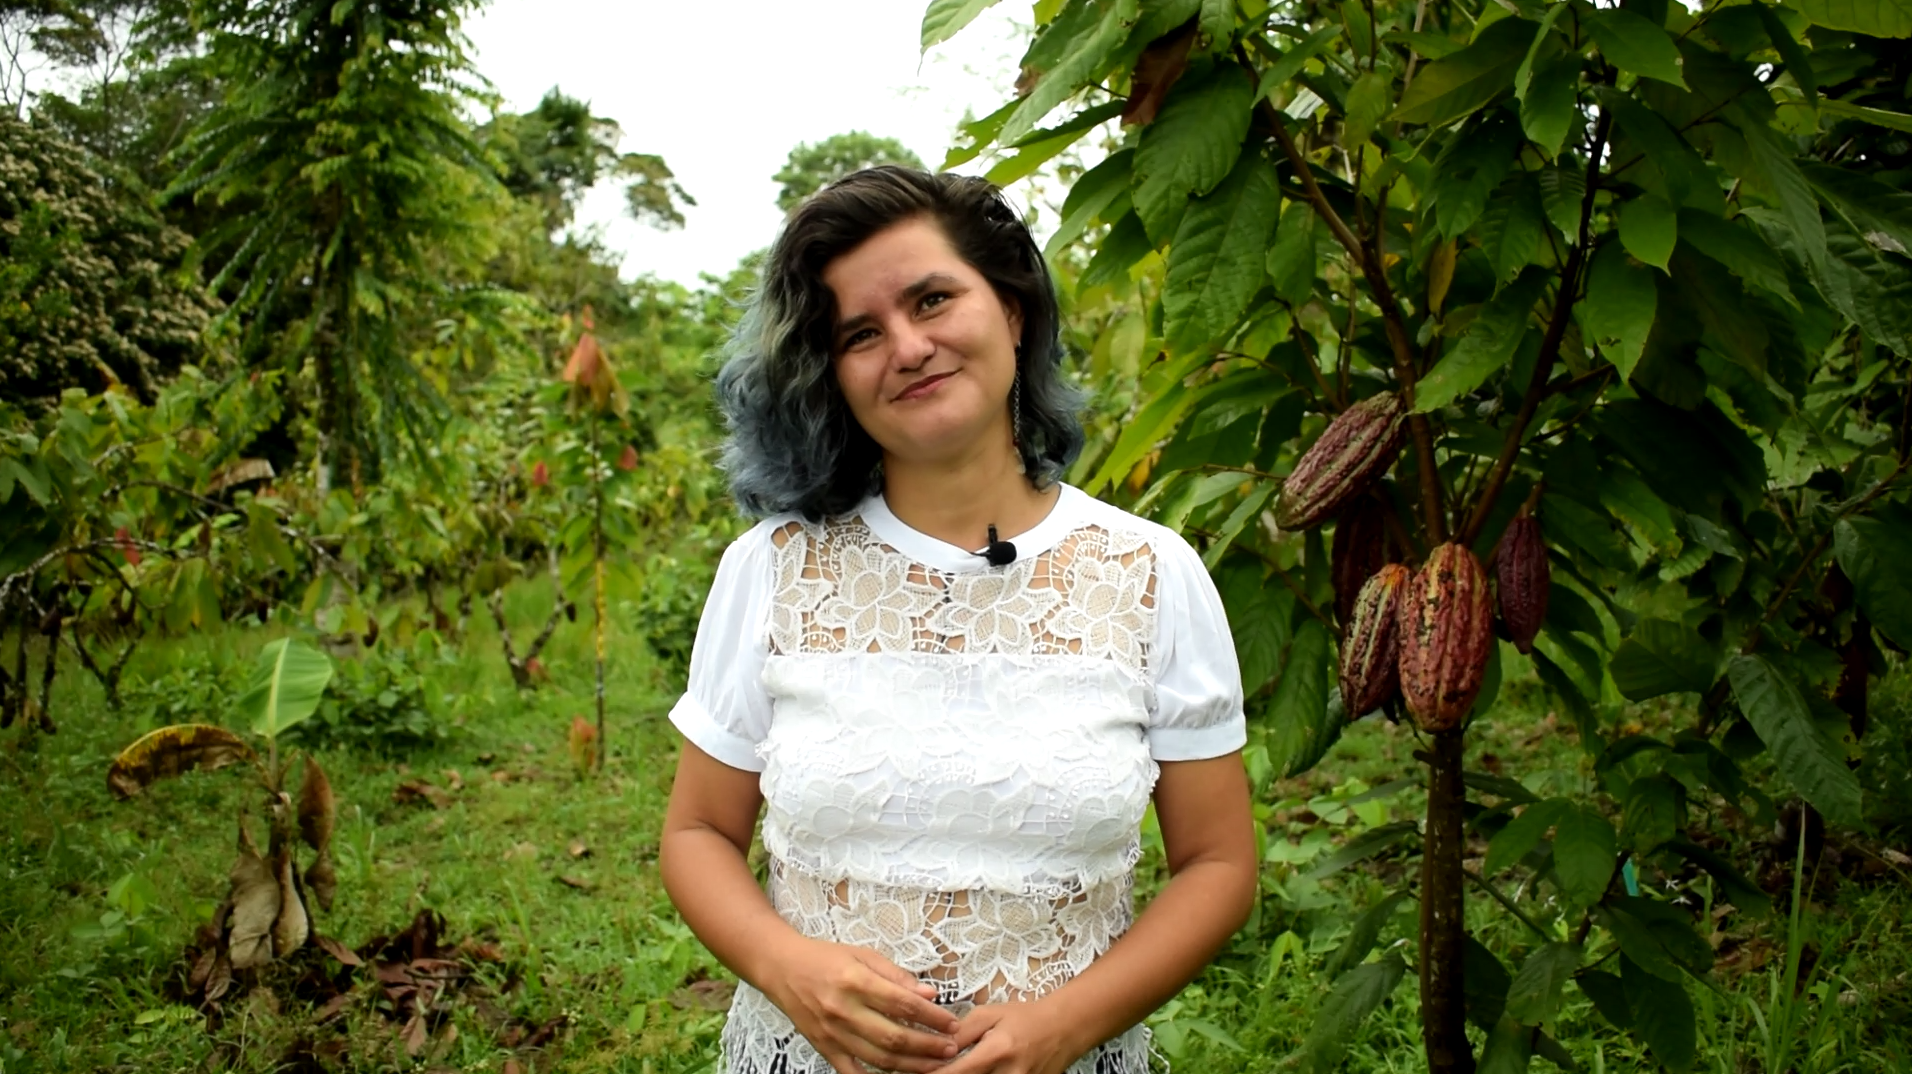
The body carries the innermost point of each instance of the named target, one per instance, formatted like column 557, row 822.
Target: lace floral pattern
column 957, row 768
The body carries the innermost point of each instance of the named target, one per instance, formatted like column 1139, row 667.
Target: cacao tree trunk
column 1443, row 922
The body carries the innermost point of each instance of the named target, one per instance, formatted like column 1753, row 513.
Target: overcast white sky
column 723, row 91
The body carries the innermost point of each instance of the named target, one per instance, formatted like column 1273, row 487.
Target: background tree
column 559, row 150
column 812, row 166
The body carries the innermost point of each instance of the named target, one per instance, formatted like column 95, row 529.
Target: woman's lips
column 923, row 387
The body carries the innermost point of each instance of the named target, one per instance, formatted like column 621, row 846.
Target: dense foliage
column 1640, row 271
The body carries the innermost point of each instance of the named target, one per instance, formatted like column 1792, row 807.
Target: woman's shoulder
column 1168, row 545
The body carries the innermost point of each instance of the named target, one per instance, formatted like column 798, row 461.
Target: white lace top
column 956, row 757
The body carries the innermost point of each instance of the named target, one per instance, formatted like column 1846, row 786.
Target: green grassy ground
column 99, row 898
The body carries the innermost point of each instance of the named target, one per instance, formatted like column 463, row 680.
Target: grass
column 99, row 898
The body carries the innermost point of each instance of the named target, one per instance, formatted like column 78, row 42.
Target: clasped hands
column 856, row 1007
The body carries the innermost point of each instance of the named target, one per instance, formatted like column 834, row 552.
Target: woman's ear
column 1012, row 311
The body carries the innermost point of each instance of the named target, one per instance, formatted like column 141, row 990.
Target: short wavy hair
column 793, row 443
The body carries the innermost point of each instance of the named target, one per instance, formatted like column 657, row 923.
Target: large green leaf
column 1215, row 264
column 1522, row 834
column 1660, row 657
column 1633, row 44
column 1259, row 611
column 1813, row 763
column 1486, row 348
column 1878, row 559
column 1100, row 188
column 1508, row 1049
column 1609, row 996
column 1367, row 103
column 1305, row 725
column 1618, row 311
column 1653, row 809
column 1191, row 147
column 1468, row 169
column 1126, row 243
column 1741, row 249
column 1878, row 117
column 1355, row 996
column 1687, row 177
column 1291, row 259
column 1879, row 18
column 286, row 686
column 1585, row 851
column 1648, row 229
column 1081, row 58
column 1362, row 935
column 1510, row 229
column 1547, row 112
column 1460, row 84
column 1535, row 994
column 944, row 18
column 1662, row 1016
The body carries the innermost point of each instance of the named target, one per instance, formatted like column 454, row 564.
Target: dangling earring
column 1015, row 416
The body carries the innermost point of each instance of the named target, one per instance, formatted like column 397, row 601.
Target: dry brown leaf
column 1156, row 70
column 415, row 1034
column 577, row 882
column 453, row 780
column 202, row 968
column 511, row 1067
column 293, row 926
column 1896, row 857
column 317, row 807
column 322, row 879
column 238, row 472
column 330, row 1008
column 577, row 849
column 417, row 790
column 345, row 955
column 221, row 978
column 170, row 751
column 255, row 907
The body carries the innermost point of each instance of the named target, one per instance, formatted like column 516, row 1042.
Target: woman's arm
column 848, row 1002
column 1208, row 832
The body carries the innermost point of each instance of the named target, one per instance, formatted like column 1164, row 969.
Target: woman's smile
column 923, row 387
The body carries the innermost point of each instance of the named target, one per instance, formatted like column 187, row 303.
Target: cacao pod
column 1360, row 548
column 1446, row 632
column 1523, row 577
column 1370, row 672
column 1356, row 448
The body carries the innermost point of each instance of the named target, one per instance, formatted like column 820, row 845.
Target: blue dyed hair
column 794, row 445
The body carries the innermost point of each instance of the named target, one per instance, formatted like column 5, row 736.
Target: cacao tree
column 1585, row 331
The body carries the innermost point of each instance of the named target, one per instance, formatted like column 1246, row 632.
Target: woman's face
column 925, row 350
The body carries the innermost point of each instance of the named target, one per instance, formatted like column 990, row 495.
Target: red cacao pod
column 1360, row 548
column 1523, row 577
column 1370, row 671
column 1447, row 625
column 1356, row 448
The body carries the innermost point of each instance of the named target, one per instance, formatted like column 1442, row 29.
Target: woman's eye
column 934, row 299
column 858, row 337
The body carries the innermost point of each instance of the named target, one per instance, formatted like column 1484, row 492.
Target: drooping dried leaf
column 170, row 751
column 415, row 1034
column 627, row 460
column 202, row 968
column 293, row 926
column 127, row 547
column 1156, row 71
column 255, row 907
column 578, row 849
column 332, row 1007
column 417, row 790
column 221, row 978
column 345, row 955
column 592, row 377
column 317, row 807
column 323, row 881
column 238, row 472
column 577, row 882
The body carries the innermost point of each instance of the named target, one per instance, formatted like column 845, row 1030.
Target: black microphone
column 998, row 553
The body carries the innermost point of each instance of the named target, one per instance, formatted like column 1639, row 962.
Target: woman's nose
column 912, row 346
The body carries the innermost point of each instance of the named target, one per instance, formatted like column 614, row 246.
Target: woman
column 955, row 747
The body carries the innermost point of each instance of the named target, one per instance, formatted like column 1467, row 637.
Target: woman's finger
column 982, row 1059
column 888, row 1046
column 905, row 1005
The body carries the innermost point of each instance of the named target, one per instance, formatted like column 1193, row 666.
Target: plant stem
column 597, row 601
column 1443, row 906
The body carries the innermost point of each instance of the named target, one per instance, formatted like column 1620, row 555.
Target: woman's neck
column 956, row 502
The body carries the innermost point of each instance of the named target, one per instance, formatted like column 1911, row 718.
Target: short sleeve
column 1197, row 711
column 724, row 710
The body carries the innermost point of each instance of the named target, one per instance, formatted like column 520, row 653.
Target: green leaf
column 1305, row 726
column 1484, row 982
column 1584, row 851
column 1291, row 260
column 1878, row 213
column 1619, row 307
column 1355, row 996
column 1428, row 46
column 1289, row 65
column 1040, row 147
column 1740, row 249
column 1686, row 174
column 1362, row 935
column 1215, row 264
column 1813, row 763
column 1878, row 559
column 1082, row 59
column 1653, row 809
column 1462, row 83
column 1362, row 847
column 1215, row 24
column 1798, row 64
column 1522, row 834
column 1524, row 74
column 1609, row 997
column 1660, row 657
column 32, row 476
column 1878, row 18
column 1561, row 192
column 1548, row 112
column 1779, row 176
column 1124, row 245
column 1648, row 229
column 1100, row 187
column 286, row 686
column 1508, row 1049
column 1633, row 44
column 1510, row 229
column 1259, row 611
column 1734, row 886
column 1535, row 994
column 1469, row 168
column 1662, row 1016
column 982, row 134
column 1638, row 943
column 1191, row 147
column 1878, row 117
column 944, row 18
column 1486, row 348
column 1367, row 102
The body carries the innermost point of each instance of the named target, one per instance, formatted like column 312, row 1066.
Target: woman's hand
column 851, row 1003
column 1013, row 1038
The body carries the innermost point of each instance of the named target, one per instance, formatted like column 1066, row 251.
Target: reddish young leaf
column 628, row 460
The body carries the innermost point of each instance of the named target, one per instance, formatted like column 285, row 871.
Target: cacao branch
column 1549, row 344
column 1818, row 549
column 1375, row 272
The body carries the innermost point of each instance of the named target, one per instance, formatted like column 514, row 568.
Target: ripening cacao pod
column 1354, row 450
column 1370, row 670
column 1447, row 623
column 1360, row 548
column 1523, row 577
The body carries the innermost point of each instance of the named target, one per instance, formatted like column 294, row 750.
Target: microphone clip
column 999, row 553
